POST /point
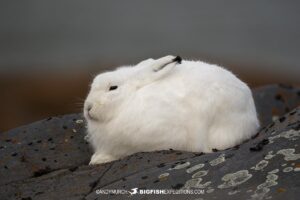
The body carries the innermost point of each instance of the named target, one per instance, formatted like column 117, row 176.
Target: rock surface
column 273, row 101
column 48, row 160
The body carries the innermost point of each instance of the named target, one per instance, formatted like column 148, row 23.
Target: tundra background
column 50, row 50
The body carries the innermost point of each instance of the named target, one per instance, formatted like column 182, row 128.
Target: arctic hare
column 167, row 104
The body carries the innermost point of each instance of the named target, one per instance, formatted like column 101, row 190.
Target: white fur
column 161, row 104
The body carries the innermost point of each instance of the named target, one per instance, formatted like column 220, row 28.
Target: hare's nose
column 89, row 107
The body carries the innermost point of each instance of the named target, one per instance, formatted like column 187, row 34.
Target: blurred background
column 50, row 50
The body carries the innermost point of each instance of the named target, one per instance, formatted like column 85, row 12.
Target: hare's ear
column 151, row 70
column 146, row 62
column 161, row 63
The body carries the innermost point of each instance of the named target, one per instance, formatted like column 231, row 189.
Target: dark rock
column 273, row 101
column 48, row 160
column 42, row 146
column 41, row 172
column 260, row 145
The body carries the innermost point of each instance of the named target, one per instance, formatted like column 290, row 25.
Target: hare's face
column 111, row 89
column 104, row 98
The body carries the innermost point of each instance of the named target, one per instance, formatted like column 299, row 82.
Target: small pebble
column 79, row 121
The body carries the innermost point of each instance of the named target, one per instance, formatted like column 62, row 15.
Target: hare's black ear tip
column 177, row 59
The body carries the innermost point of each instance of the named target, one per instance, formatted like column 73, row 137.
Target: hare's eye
column 113, row 87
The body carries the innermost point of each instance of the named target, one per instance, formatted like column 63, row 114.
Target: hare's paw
column 99, row 158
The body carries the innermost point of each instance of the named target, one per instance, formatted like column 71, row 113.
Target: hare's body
column 193, row 106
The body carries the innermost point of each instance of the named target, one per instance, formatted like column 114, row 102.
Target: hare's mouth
column 89, row 116
column 89, row 111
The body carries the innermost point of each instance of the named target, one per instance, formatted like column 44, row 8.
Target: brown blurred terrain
column 27, row 98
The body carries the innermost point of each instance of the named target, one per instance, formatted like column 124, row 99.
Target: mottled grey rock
column 45, row 146
column 48, row 160
column 70, row 184
column 273, row 101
